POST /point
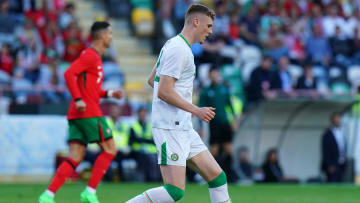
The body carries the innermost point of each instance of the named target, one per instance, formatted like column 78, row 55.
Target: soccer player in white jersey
column 177, row 142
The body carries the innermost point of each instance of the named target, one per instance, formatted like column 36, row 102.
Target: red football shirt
column 84, row 78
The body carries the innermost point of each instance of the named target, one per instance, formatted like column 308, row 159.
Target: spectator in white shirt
column 332, row 20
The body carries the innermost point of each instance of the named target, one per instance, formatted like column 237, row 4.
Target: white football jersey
column 176, row 60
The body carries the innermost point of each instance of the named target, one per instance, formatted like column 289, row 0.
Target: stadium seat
column 335, row 72
column 34, row 99
column 320, row 72
column 250, row 54
column 203, row 73
column 353, row 75
column 247, row 69
column 143, row 20
column 340, row 87
column 295, row 72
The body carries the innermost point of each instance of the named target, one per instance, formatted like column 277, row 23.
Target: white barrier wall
column 28, row 144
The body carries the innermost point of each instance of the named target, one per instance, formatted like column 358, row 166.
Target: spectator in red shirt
column 74, row 44
column 6, row 60
column 52, row 40
column 234, row 27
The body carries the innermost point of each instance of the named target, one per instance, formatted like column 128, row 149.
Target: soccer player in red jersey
column 84, row 78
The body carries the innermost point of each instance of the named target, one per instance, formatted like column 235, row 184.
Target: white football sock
column 50, row 193
column 155, row 195
column 219, row 194
column 91, row 190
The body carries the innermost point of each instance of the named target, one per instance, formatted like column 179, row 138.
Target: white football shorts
column 174, row 147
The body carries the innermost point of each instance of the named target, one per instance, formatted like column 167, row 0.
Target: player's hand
column 118, row 94
column 80, row 105
column 205, row 113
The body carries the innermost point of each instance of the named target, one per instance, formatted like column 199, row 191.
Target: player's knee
column 175, row 192
column 110, row 149
column 218, row 181
column 77, row 157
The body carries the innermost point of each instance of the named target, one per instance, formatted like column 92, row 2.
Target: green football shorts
column 89, row 130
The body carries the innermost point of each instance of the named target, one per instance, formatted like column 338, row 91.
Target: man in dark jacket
column 334, row 150
column 260, row 81
column 307, row 81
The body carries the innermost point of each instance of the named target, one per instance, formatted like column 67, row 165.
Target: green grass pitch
column 120, row 192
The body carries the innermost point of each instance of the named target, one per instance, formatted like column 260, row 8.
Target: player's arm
column 71, row 74
column 152, row 77
column 75, row 69
column 118, row 94
column 167, row 93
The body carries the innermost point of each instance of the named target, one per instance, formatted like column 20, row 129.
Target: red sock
column 101, row 165
column 64, row 171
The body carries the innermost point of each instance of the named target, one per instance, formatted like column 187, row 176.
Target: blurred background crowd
column 259, row 50
column 39, row 40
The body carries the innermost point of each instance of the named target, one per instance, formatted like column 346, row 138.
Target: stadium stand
column 39, row 39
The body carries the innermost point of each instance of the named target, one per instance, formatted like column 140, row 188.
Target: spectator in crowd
column 281, row 79
column 22, row 6
column 355, row 42
column 28, row 35
column 317, row 47
column 6, row 60
column 332, row 20
column 274, row 43
column 143, row 146
column 294, row 44
column 249, row 27
column 21, row 86
column 272, row 169
column 7, row 22
column 50, row 80
column 307, row 81
column 352, row 23
column 28, row 60
column 74, row 43
column 271, row 17
column 340, row 46
column 43, row 15
column 67, row 16
column 52, row 41
column 180, row 8
column 316, row 17
column 120, row 131
column 217, row 95
column 234, row 27
column 221, row 22
column 333, row 147
column 245, row 169
column 260, row 80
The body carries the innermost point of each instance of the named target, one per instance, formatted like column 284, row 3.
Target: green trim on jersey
column 163, row 154
column 185, row 40
column 84, row 78
column 158, row 62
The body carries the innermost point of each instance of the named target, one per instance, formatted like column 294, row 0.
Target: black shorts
column 220, row 133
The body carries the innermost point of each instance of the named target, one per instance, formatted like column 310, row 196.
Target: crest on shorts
column 174, row 157
column 108, row 130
